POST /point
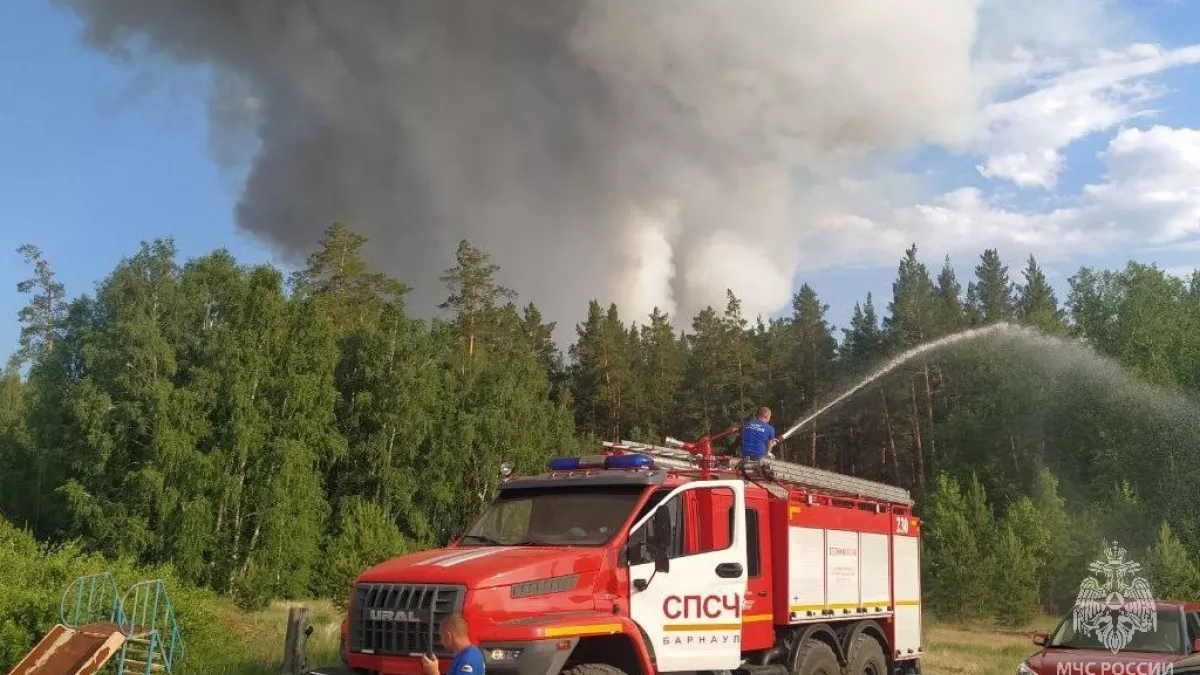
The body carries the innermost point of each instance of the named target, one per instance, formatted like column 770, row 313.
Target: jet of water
column 901, row 359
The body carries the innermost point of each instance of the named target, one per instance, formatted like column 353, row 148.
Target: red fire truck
column 654, row 559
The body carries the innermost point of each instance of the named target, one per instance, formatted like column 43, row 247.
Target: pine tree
column 773, row 350
column 364, row 535
column 990, row 296
column 1173, row 572
column 539, row 337
column 948, row 305
column 474, row 295
column 742, row 377
column 660, row 370
column 812, row 353
column 912, row 320
column 40, row 318
column 862, row 344
column 911, row 311
column 338, row 275
column 1014, row 589
column 1036, row 303
column 957, row 564
column 702, row 397
column 602, row 372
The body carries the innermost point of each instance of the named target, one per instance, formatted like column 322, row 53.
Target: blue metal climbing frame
column 144, row 614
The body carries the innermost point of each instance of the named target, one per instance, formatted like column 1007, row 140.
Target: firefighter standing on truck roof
column 468, row 660
column 758, row 438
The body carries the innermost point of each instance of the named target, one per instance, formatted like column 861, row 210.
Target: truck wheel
column 592, row 669
column 866, row 657
column 816, row 658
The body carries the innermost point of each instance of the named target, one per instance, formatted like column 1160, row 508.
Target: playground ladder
column 144, row 615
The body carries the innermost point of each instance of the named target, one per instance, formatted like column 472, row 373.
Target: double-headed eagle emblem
column 1117, row 607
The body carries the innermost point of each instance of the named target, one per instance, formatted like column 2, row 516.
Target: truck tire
column 592, row 669
column 816, row 658
column 866, row 657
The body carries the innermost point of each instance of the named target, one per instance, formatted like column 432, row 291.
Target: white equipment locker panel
column 841, row 550
column 875, row 571
column 806, row 578
column 906, row 557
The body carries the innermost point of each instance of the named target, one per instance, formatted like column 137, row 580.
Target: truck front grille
column 402, row 619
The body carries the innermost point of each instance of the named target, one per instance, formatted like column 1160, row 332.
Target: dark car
column 1175, row 640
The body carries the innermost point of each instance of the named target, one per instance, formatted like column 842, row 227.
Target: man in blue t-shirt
column 758, row 436
column 468, row 659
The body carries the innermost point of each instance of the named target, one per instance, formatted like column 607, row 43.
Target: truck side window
column 708, row 508
column 753, row 543
column 663, row 532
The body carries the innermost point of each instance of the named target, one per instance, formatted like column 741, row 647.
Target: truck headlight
column 503, row 655
column 1024, row 669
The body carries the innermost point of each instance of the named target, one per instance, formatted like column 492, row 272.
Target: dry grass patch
column 260, row 639
column 978, row 649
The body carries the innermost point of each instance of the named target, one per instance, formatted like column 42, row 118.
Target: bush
column 36, row 574
column 365, row 536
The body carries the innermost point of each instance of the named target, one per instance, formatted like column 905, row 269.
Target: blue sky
column 95, row 160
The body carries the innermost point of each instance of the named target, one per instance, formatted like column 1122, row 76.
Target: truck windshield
column 1165, row 638
column 576, row 515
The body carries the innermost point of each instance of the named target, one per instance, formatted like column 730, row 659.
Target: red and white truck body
column 652, row 560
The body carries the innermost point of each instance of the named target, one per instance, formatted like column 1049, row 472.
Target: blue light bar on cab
column 564, row 464
column 629, row 462
column 602, row 461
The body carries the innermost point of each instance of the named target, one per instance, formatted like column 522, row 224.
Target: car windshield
column 1165, row 638
column 573, row 515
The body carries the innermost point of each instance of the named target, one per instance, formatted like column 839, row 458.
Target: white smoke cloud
column 645, row 282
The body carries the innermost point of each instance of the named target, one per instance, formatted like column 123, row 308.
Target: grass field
column 262, row 633
column 952, row 649
column 956, row 649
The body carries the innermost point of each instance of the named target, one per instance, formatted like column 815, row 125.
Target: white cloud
column 1026, row 135
column 1046, row 95
column 1149, row 197
column 959, row 223
column 1153, row 184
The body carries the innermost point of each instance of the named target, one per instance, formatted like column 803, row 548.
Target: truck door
column 690, row 603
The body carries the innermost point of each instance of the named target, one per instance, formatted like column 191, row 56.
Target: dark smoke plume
column 629, row 150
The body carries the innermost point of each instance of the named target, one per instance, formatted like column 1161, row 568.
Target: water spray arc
column 900, row 360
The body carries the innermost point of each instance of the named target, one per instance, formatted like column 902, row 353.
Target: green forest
column 265, row 435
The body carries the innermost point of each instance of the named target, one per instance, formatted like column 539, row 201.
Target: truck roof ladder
column 693, row 456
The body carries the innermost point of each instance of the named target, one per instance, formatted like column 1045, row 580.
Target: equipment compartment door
column 692, row 612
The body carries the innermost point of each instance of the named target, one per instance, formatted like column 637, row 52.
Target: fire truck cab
column 650, row 559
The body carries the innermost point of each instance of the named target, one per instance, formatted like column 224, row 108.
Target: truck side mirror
column 643, row 552
column 1039, row 639
column 661, row 562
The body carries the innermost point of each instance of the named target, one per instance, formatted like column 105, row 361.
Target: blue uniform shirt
column 469, row 661
column 755, row 435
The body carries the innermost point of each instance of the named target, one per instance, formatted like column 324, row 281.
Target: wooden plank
column 68, row 651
